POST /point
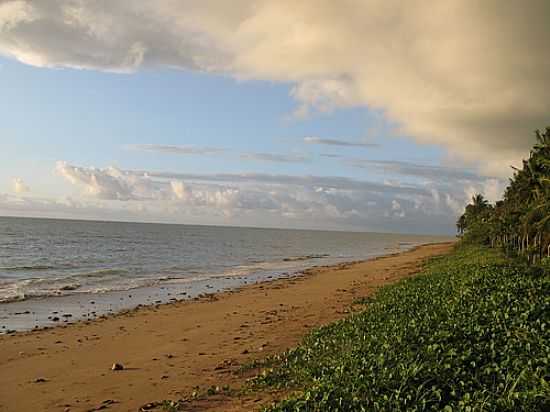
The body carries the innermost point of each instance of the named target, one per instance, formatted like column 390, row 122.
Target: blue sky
column 92, row 118
column 196, row 114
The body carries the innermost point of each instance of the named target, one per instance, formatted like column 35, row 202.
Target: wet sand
column 168, row 350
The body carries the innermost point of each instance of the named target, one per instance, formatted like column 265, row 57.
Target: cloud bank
column 322, row 202
column 470, row 75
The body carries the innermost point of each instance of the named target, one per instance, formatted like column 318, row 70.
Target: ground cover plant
column 470, row 333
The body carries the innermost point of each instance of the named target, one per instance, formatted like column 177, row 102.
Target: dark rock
column 69, row 287
column 117, row 367
column 150, row 406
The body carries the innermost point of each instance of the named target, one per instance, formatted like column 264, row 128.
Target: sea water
column 48, row 262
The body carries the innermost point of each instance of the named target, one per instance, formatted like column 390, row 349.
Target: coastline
column 36, row 313
column 169, row 349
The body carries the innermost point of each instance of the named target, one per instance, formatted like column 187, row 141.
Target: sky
column 350, row 115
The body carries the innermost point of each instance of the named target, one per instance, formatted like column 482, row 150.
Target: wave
column 102, row 273
column 88, row 282
column 305, row 257
column 17, row 295
column 117, row 279
column 24, row 290
column 27, row 267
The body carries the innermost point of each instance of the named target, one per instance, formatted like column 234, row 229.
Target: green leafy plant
column 520, row 223
column 471, row 333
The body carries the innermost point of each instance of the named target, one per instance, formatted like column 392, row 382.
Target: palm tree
column 521, row 221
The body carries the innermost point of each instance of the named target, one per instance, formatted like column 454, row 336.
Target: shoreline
column 37, row 313
column 170, row 348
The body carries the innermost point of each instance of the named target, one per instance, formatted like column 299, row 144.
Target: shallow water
column 47, row 264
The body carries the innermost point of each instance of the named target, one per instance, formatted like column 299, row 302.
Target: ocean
column 47, row 263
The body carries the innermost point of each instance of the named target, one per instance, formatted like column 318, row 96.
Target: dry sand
column 170, row 349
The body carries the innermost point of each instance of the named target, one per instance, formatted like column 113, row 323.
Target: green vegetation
column 520, row 223
column 471, row 333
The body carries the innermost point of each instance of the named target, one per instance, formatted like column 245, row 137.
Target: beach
column 59, row 271
column 168, row 350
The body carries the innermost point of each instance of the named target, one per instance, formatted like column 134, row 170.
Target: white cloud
column 472, row 76
column 181, row 191
column 263, row 199
column 396, row 209
column 19, row 186
column 456, row 206
column 324, row 94
column 491, row 189
column 110, row 183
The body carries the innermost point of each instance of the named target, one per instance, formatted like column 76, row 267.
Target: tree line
column 520, row 222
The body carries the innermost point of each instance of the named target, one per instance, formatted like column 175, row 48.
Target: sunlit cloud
column 19, row 186
column 425, row 66
column 302, row 201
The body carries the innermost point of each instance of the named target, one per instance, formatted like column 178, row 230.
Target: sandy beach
column 168, row 350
